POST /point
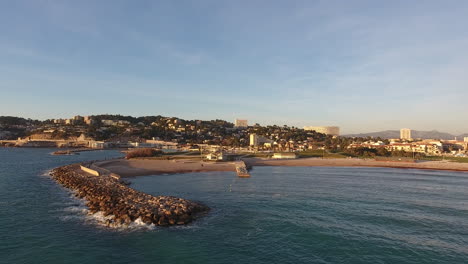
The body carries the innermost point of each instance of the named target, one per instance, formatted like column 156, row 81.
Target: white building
column 285, row 155
column 328, row 130
column 405, row 133
column 220, row 156
column 98, row 144
column 241, row 123
column 142, row 145
column 107, row 122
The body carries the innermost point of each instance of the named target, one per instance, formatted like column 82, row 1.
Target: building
column 123, row 122
column 218, row 156
column 400, row 147
column 107, row 122
column 98, row 144
column 59, row 121
column 405, row 133
column 162, row 144
column 241, row 123
column 367, row 144
column 285, row 155
column 78, row 118
column 328, row 130
column 89, row 120
column 256, row 140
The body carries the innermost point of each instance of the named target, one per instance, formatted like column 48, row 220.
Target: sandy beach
column 140, row 167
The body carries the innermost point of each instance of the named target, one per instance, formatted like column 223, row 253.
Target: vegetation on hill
column 17, row 121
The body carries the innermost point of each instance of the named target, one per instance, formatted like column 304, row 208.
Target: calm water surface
column 279, row 215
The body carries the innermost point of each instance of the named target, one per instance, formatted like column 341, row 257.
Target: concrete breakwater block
column 109, row 196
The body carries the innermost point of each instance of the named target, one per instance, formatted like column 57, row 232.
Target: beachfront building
column 98, row 144
column 285, row 155
column 407, row 147
column 256, row 140
column 327, row 130
column 405, row 134
column 162, row 144
column 241, row 123
column 367, row 144
column 216, row 156
column 142, row 145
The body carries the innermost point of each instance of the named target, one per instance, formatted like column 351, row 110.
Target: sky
column 362, row 65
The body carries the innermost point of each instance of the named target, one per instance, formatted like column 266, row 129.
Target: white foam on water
column 46, row 173
column 76, row 209
column 98, row 219
column 139, row 224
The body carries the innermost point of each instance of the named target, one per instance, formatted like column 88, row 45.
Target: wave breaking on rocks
column 121, row 205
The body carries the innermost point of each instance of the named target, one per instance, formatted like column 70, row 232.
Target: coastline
column 141, row 167
column 108, row 194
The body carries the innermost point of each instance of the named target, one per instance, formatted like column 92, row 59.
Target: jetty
column 121, row 204
column 241, row 169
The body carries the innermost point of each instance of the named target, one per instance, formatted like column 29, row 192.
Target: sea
column 278, row 215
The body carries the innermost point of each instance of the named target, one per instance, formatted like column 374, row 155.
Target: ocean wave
column 73, row 208
column 107, row 222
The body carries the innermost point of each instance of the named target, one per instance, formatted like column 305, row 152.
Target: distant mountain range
column 434, row 134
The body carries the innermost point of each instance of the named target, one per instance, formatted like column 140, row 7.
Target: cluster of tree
column 381, row 152
column 145, row 152
column 368, row 152
column 17, row 121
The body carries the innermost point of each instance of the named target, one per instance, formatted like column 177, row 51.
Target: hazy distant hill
column 434, row 134
column 381, row 134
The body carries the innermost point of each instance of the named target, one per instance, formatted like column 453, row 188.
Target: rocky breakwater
column 121, row 204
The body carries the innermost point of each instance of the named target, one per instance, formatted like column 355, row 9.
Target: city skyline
column 364, row 66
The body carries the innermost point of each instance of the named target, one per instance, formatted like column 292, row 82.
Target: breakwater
column 122, row 204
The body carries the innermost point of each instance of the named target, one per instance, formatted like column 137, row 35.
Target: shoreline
column 142, row 167
column 363, row 163
column 103, row 192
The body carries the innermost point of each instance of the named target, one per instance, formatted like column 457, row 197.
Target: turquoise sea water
column 279, row 215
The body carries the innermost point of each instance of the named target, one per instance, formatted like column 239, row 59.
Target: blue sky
column 362, row 65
